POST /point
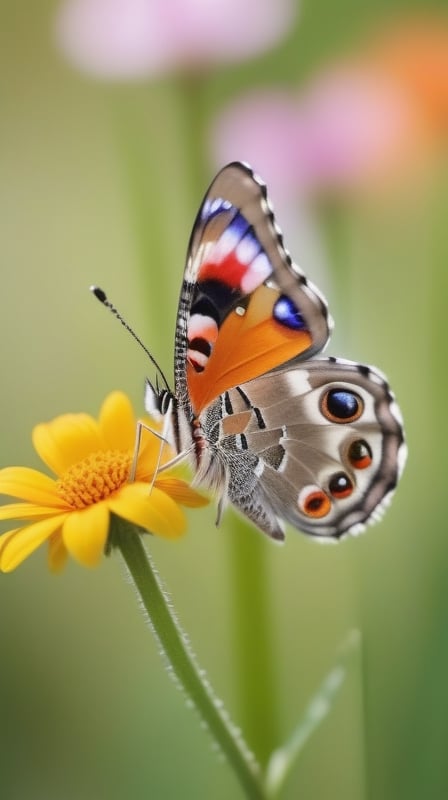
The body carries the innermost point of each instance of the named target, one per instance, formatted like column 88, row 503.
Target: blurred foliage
column 98, row 186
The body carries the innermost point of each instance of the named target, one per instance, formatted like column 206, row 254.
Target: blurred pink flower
column 354, row 125
column 260, row 128
column 138, row 38
column 341, row 132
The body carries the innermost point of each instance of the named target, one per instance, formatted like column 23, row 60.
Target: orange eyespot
column 314, row 502
column 360, row 454
column 340, row 486
column 341, row 405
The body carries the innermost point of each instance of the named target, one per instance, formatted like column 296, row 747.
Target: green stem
column 334, row 220
column 254, row 648
column 181, row 660
column 191, row 92
column 143, row 183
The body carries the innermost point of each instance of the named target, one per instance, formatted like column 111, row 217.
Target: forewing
column 245, row 307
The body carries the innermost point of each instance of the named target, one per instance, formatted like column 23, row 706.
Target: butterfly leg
column 138, row 440
column 176, row 459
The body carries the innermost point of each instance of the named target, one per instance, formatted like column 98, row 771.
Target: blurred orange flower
column 414, row 54
column 379, row 114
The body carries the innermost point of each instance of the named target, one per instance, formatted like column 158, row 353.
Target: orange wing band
column 248, row 345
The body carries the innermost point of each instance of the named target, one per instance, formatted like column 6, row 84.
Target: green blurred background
column 99, row 184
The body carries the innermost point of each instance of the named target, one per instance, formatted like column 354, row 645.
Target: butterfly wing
column 319, row 445
column 245, row 308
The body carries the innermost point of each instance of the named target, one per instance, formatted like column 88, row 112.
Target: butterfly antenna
column 102, row 297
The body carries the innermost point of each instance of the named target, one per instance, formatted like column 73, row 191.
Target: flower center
column 94, row 478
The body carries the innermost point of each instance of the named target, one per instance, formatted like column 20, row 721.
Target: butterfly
column 285, row 436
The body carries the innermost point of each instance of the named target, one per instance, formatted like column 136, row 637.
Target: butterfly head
column 158, row 400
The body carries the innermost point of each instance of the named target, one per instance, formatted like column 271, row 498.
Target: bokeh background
column 115, row 116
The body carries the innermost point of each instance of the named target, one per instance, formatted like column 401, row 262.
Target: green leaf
column 284, row 758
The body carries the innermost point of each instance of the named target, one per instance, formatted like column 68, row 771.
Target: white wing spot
column 256, row 274
column 247, row 249
column 226, row 243
column 259, row 468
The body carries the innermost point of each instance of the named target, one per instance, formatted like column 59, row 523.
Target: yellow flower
column 92, row 461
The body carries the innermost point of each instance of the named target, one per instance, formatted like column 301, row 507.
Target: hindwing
column 319, row 445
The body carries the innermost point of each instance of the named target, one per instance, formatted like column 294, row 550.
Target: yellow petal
column 26, row 511
column 181, row 492
column 149, row 453
column 31, row 485
column 5, row 537
column 117, row 422
column 85, row 534
column 147, row 457
column 150, row 509
column 15, row 546
column 66, row 440
column 57, row 553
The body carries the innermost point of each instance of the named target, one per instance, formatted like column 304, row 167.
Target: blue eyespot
column 286, row 313
column 341, row 405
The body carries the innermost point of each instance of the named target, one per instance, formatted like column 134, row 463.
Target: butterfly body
column 282, row 435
